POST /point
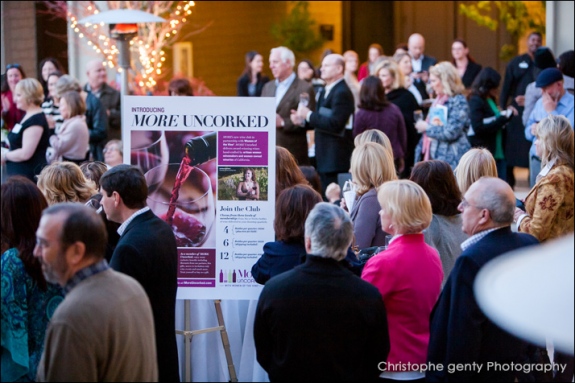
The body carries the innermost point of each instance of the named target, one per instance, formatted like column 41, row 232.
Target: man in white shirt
column 287, row 89
column 333, row 135
column 420, row 63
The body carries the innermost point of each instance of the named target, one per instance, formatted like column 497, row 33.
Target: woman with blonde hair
column 394, row 84
column 71, row 141
column 474, row 164
column 549, row 205
column 373, row 135
column 408, row 275
column 403, row 60
column 29, row 138
column 371, row 166
column 445, row 137
column 64, row 182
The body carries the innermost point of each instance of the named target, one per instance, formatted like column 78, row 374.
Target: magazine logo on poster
column 161, row 120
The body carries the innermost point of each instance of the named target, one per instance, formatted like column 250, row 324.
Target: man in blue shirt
column 555, row 100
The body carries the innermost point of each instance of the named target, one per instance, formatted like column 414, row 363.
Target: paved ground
column 521, row 182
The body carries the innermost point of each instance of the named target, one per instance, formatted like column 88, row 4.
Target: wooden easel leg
column 188, row 335
column 225, row 340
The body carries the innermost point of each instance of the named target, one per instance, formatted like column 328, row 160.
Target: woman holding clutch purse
column 445, row 130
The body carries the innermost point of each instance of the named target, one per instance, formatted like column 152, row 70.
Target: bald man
column 109, row 97
column 331, row 121
column 420, row 63
column 460, row 333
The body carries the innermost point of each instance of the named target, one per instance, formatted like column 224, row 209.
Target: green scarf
column 498, row 155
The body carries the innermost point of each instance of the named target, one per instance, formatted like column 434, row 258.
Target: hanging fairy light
column 148, row 44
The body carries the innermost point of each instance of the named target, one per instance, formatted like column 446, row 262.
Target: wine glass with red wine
column 192, row 213
column 148, row 149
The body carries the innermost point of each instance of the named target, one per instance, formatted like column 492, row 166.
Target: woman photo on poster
column 248, row 189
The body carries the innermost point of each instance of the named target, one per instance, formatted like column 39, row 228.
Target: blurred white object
column 530, row 293
column 349, row 194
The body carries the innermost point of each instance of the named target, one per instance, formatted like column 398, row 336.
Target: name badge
column 523, row 65
column 16, row 128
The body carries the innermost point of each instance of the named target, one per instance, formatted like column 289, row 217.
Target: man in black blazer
column 460, row 333
column 331, row 122
column 147, row 252
column 320, row 322
column 286, row 88
column 420, row 63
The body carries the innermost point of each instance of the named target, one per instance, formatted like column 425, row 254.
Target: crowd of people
column 89, row 272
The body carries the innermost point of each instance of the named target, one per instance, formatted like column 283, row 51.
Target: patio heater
column 123, row 25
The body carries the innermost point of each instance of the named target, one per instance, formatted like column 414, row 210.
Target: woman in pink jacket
column 408, row 275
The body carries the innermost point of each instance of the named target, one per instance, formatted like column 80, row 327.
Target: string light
column 148, row 44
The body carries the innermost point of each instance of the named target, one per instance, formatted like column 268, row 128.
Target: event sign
column 209, row 163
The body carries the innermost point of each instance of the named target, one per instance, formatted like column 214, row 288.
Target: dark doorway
column 51, row 36
column 365, row 23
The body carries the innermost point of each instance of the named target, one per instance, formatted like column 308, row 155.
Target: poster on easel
column 209, row 163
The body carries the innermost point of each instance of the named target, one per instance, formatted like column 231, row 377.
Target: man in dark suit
column 460, row 333
column 331, row 122
column 147, row 252
column 287, row 88
column 319, row 322
column 420, row 63
column 519, row 73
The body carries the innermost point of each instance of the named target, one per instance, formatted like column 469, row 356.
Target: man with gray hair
column 460, row 334
column 104, row 328
column 287, row 89
column 320, row 322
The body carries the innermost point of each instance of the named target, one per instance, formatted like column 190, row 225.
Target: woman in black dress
column 466, row 66
column 252, row 81
column 29, row 138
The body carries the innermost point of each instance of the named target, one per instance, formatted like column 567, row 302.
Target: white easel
column 188, row 334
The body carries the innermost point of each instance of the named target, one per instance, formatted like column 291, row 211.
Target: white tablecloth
column 208, row 359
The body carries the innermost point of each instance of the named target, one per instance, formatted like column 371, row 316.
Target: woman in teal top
column 28, row 301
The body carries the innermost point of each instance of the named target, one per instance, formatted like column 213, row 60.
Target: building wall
column 238, row 27
column 445, row 25
column 19, row 35
column 330, row 13
column 559, row 21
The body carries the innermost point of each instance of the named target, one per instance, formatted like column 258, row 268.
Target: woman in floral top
column 549, row 205
column 28, row 301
